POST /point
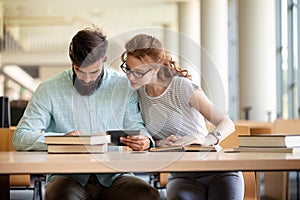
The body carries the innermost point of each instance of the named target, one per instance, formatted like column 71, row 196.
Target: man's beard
column 87, row 90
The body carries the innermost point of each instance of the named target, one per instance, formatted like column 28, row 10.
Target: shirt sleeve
column 29, row 133
column 186, row 88
column 133, row 118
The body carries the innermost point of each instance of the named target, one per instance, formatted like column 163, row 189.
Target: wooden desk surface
column 41, row 162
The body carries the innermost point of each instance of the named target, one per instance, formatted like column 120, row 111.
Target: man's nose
column 87, row 78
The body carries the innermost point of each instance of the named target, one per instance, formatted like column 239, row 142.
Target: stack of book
column 85, row 143
column 285, row 143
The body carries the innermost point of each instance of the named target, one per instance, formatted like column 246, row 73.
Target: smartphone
column 116, row 134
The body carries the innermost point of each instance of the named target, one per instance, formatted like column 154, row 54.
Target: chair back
column 286, row 126
column 233, row 139
column 256, row 127
column 6, row 135
column 277, row 183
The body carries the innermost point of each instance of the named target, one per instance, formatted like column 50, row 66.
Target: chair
column 250, row 177
column 256, row 127
column 22, row 181
column 159, row 180
column 277, row 183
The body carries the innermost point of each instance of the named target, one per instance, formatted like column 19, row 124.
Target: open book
column 189, row 148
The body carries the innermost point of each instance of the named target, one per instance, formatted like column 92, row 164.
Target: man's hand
column 136, row 142
column 77, row 132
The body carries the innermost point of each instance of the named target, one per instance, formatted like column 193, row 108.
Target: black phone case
column 116, row 134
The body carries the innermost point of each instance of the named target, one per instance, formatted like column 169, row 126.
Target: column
column 189, row 37
column 257, row 58
column 214, row 57
column 1, row 39
column 1, row 84
column 171, row 41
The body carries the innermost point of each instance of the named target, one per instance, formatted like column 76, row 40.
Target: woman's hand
column 136, row 142
column 188, row 140
column 174, row 140
column 169, row 141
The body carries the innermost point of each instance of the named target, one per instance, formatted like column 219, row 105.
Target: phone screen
column 116, row 134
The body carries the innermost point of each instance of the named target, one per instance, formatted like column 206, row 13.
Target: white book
column 79, row 139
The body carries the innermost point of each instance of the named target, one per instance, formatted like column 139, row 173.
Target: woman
column 174, row 110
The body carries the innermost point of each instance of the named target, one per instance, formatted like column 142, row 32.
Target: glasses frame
column 127, row 71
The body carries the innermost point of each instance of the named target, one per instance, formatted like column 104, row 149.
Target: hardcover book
column 91, row 139
column 270, row 140
column 267, row 149
column 77, row 148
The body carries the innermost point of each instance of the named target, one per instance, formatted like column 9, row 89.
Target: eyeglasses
column 136, row 74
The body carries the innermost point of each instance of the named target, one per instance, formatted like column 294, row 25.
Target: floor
column 19, row 193
column 294, row 187
column 28, row 194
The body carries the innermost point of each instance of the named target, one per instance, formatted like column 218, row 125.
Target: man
column 85, row 99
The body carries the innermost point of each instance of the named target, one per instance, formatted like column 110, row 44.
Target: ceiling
column 115, row 14
column 37, row 33
column 41, row 26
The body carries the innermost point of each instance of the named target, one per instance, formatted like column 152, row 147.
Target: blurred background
column 244, row 53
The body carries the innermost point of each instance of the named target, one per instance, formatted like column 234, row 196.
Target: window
column 288, row 48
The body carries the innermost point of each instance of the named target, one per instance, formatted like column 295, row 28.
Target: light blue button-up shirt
column 57, row 108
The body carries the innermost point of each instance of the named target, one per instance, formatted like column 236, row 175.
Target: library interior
column 244, row 54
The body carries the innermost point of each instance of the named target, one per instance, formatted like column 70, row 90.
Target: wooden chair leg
column 258, row 179
column 250, row 186
column 276, row 185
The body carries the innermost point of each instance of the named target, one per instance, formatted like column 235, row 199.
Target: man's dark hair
column 87, row 47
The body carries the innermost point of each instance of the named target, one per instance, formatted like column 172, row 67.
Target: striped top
column 170, row 113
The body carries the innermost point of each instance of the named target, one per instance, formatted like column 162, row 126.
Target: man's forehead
column 90, row 68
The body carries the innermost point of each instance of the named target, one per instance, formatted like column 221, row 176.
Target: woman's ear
column 104, row 59
column 157, row 68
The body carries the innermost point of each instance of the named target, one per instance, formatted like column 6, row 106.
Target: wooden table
column 42, row 162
